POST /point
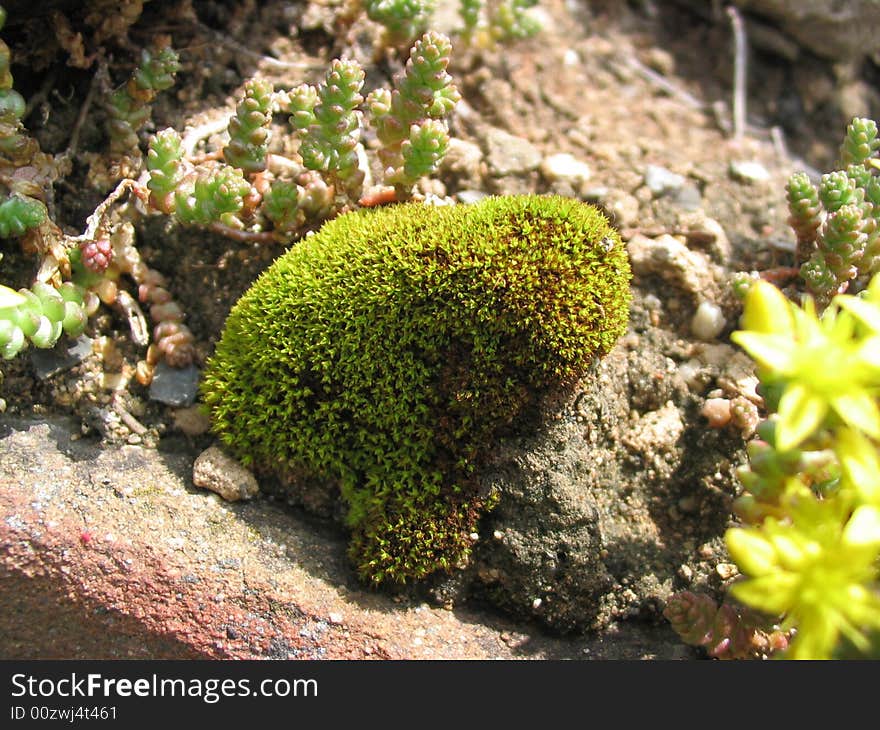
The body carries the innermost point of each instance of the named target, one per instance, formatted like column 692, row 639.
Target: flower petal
column 753, row 553
column 867, row 313
column 860, row 411
column 860, row 462
column 800, row 413
column 863, row 528
column 767, row 310
column 772, row 351
column 773, row 594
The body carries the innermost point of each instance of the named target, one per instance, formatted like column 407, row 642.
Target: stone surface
column 66, row 354
column 110, row 553
column 749, row 171
column 708, row 321
column 578, row 539
column 563, row 167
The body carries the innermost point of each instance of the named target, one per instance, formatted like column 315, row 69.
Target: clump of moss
column 390, row 350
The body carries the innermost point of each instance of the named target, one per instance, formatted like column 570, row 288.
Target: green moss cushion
column 391, row 349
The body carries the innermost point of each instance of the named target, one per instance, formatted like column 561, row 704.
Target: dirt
column 619, row 86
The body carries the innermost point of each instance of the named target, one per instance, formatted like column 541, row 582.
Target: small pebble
column 726, row 571
column 661, row 181
column 220, row 473
column 192, row 420
column 175, row 386
column 507, row 154
column 716, row 411
column 468, row 197
column 566, row 168
column 334, row 618
column 688, row 197
column 708, row 321
column 749, row 171
column 571, row 57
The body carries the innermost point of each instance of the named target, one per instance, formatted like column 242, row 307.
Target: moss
column 389, row 351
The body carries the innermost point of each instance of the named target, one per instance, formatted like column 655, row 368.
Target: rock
column 65, row 355
column 191, row 420
column 841, row 30
column 661, row 181
column 749, row 171
column 565, row 168
column 709, row 232
column 672, row 260
column 464, row 161
column 175, row 386
column 716, row 411
column 622, row 207
column 688, row 197
column 468, row 197
column 656, row 431
column 708, row 321
column 219, row 472
column 507, row 154
column 576, row 538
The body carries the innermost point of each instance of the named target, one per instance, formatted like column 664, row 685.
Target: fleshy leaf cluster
column 39, row 316
column 409, row 118
column 129, row 107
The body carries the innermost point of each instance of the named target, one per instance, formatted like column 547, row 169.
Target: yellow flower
column 825, row 366
column 819, row 570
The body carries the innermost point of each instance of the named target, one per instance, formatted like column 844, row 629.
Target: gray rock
column 175, row 386
column 470, row 196
column 65, row 355
column 840, row 30
column 507, row 154
column 688, row 197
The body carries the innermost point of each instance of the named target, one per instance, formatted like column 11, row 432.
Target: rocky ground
column 616, row 498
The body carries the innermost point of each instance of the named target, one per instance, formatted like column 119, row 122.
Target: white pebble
column 708, row 321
